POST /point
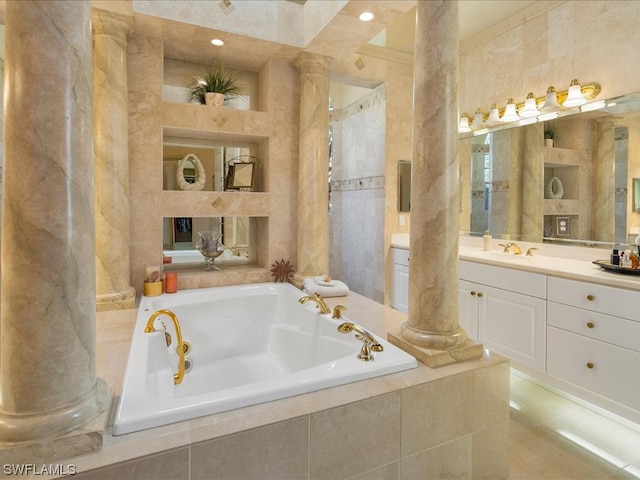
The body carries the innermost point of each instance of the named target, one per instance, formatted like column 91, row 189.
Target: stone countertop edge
column 576, row 262
column 115, row 329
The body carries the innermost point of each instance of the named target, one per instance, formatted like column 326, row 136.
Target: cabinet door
column 468, row 308
column 513, row 324
column 400, row 288
column 597, row 366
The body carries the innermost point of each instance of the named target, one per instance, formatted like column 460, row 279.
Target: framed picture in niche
column 240, row 176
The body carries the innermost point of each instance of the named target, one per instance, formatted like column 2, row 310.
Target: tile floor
column 554, row 438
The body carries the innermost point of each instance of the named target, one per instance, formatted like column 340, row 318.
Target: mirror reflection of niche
column 239, row 240
column 589, row 157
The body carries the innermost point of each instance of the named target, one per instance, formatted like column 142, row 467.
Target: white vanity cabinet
column 400, row 279
column 593, row 338
column 510, row 310
column 468, row 297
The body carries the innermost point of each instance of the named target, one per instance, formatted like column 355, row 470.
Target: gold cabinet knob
column 473, row 293
column 479, row 295
column 590, row 365
column 591, row 298
column 590, row 324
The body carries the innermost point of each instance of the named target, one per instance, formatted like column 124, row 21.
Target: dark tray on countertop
column 607, row 265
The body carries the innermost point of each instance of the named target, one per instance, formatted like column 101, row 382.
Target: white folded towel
column 334, row 288
column 322, row 280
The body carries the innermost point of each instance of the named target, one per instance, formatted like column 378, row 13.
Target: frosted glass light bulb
column 510, row 112
column 574, row 97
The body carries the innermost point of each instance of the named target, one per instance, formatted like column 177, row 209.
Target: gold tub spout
column 318, row 300
column 177, row 377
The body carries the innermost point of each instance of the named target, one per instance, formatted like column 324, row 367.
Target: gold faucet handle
column 337, row 311
column 506, row 247
column 530, row 251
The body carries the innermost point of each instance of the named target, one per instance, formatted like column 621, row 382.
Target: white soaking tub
column 248, row 344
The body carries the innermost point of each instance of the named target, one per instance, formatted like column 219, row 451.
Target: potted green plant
column 214, row 86
column 549, row 134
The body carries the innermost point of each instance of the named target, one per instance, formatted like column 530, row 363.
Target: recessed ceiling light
column 366, row 16
column 217, row 42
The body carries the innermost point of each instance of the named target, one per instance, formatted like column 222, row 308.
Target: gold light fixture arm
column 177, row 377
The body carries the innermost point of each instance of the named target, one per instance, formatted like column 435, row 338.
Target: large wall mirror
column 580, row 191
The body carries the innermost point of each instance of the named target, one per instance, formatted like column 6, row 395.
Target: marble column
column 313, row 167
column 432, row 332
column 47, row 328
column 533, row 184
column 111, row 152
column 603, row 184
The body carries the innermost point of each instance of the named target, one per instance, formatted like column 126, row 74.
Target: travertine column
column 604, row 185
column 313, row 167
column 432, row 332
column 47, row 327
column 533, row 184
column 111, row 150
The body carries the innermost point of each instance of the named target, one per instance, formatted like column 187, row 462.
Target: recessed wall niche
column 238, row 240
column 181, row 155
column 178, row 75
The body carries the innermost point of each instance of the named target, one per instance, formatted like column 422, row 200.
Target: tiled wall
column 273, row 126
column 358, row 195
column 453, row 427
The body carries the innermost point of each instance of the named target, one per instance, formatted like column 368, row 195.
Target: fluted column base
column 435, row 349
column 64, row 432
column 116, row 300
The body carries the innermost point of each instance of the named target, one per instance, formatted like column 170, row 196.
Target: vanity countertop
column 574, row 263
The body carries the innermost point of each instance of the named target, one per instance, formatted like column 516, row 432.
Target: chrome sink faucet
column 318, row 300
column 511, row 247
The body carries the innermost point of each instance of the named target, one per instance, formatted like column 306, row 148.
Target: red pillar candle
column 171, row 282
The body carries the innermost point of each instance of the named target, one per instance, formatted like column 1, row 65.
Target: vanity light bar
column 527, row 109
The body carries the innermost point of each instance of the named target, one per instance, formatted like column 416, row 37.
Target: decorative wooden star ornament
column 281, row 271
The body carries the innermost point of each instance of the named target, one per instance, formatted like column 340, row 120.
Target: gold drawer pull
column 590, row 365
column 479, row 295
column 591, row 298
column 473, row 293
column 590, row 324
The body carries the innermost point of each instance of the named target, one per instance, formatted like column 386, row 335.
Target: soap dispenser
column 486, row 241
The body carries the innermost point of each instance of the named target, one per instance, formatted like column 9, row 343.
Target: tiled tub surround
column 450, row 422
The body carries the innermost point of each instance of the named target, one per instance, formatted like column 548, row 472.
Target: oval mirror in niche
column 190, row 174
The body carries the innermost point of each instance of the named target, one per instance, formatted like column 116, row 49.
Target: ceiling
column 474, row 16
column 342, row 35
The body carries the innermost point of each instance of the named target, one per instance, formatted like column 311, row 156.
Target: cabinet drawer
column 400, row 256
column 532, row 284
column 615, row 330
column 600, row 367
column 599, row 298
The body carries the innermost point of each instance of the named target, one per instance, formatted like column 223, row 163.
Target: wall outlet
column 401, row 220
